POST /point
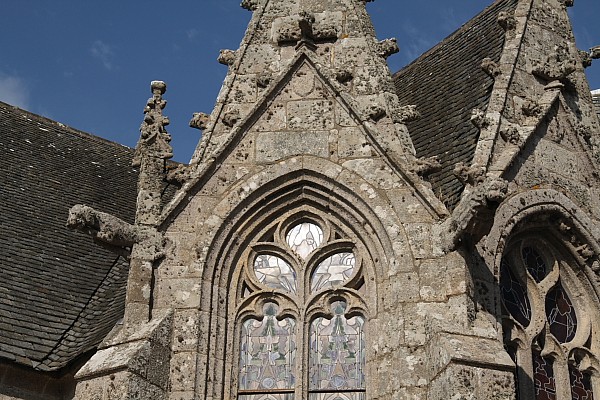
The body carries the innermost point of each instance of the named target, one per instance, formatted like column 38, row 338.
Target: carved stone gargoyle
column 474, row 215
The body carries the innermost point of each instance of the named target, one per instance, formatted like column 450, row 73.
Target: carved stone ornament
column 226, row 57
column 531, row 108
column 179, row 175
column 231, row 118
column 479, row 119
column 154, row 139
column 343, row 76
column 511, row 134
column 595, row 52
column 490, row 67
column 103, row 227
column 426, row 166
column 408, row 114
column 264, row 79
column 250, row 5
column 472, row 175
column 200, row 120
column 376, row 112
column 507, row 21
column 586, row 58
column 387, row 47
column 558, row 65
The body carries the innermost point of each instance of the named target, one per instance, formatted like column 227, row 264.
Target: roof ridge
column 77, row 132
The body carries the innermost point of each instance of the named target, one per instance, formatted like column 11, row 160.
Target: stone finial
column 558, row 65
column 231, row 117
column 387, row 47
column 154, row 139
column 250, row 5
column 306, row 22
column 479, row 119
column 490, row 67
column 226, row 57
column 507, row 21
column 408, row 114
column 200, row 120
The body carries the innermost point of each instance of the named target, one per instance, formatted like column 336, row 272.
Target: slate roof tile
column 446, row 84
column 51, row 308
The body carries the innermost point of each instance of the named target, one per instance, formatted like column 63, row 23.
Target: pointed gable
column 446, row 84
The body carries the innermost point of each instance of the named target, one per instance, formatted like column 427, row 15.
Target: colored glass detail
column 561, row 314
column 534, row 263
column 303, row 239
column 543, row 376
column 275, row 273
column 281, row 396
column 338, row 396
column 337, row 354
column 268, row 353
column 333, row 271
column 581, row 385
column 514, row 295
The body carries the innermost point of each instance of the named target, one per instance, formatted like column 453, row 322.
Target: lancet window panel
column 549, row 315
column 297, row 266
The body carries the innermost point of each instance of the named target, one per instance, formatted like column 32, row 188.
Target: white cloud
column 192, row 33
column 104, row 53
column 14, row 91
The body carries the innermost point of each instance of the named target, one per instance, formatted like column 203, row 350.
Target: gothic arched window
column 550, row 319
column 300, row 313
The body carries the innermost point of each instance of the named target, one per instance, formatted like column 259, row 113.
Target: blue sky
column 89, row 64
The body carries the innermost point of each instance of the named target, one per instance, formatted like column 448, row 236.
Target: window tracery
column 549, row 318
column 300, row 314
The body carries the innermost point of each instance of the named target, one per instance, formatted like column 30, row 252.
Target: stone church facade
column 346, row 233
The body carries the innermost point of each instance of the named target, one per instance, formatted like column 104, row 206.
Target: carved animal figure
column 101, row 226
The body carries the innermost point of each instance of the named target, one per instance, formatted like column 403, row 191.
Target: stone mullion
column 525, row 374
column 562, row 379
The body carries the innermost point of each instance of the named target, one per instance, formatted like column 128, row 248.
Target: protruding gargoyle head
column 81, row 217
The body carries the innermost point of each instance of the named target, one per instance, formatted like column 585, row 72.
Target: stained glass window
column 268, row 369
column 268, row 353
column 275, row 272
column 333, row 271
column 514, row 295
column 534, row 263
column 561, row 314
column 544, row 294
column 337, row 355
column 581, row 385
column 543, row 375
column 303, row 239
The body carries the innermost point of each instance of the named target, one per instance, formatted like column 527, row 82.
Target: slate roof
column 446, row 84
column 60, row 294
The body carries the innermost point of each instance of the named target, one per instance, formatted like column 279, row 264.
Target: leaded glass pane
column 561, row 314
column 282, row 396
column 275, row 272
column 534, row 263
column 581, row 385
column 337, row 352
column 333, row 271
column 303, row 239
column 338, row 396
column 268, row 353
column 514, row 295
column 543, row 374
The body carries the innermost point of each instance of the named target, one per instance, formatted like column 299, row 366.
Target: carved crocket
column 103, row 227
